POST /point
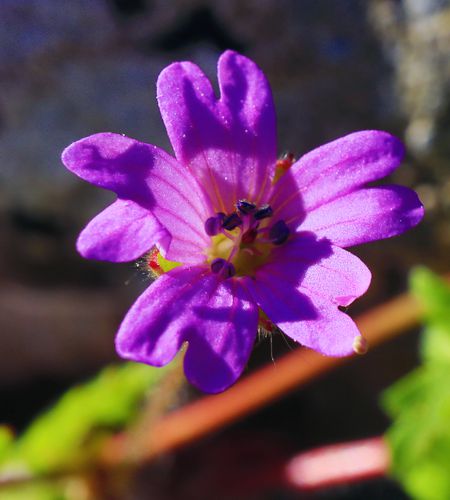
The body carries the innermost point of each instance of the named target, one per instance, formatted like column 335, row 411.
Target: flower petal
column 366, row 215
column 114, row 162
column 334, row 169
column 219, row 350
column 122, row 232
column 150, row 177
column 321, row 268
column 230, row 143
column 215, row 317
column 306, row 318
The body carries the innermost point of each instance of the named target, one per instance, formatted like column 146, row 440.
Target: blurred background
column 72, row 68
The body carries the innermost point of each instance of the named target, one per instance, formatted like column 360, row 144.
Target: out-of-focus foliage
column 420, row 402
column 38, row 491
column 69, row 433
column 6, row 438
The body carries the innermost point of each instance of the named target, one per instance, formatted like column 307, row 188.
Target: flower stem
column 338, row 464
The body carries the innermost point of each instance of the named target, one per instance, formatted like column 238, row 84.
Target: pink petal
column 334, row 169
column 320, row 268
column 220, row 346
column 122, row 232
column 215, row 317
column 307, row 318
column 153, row 179
column 365, row 215
column 114, row 162
column 229, row 144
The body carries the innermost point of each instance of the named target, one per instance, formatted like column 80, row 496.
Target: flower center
column 242, row 240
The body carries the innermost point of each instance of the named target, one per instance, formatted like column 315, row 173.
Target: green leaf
column 434, row 294
column 40, row 491
column 420, row 402
column 6, row 439
column 67, row 433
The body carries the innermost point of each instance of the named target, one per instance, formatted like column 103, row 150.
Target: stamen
column 252, row 251
column 221, row 266
column 245, row 207
column 263, row 212
column 279, row 232
column 213, row 225
column 246, row 248
column 231, row 221
column 283, row 165
column 286, row 161
column 249, row 236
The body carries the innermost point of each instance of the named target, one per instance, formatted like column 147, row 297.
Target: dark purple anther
column 263, row 212
column 217, row 264
column 279, row 232
column 213, row 225
column 221, row 266
column 231, row 221
column 245, row 207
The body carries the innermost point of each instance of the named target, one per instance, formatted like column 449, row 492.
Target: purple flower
column 249, row 238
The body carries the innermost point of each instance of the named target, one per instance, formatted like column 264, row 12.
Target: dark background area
column 72, row 68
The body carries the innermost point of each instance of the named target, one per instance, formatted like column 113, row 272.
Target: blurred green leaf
column 46, row 491
column 6, row 439
column 434, row 294
column 68, row 432
column 420, row 403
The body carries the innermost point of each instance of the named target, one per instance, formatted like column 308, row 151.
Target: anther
column 245, row 207
column 221, row 266
column 286, row 161
column 263, row 212
column 279, row 232
column 231, row 221
column 213, row 225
